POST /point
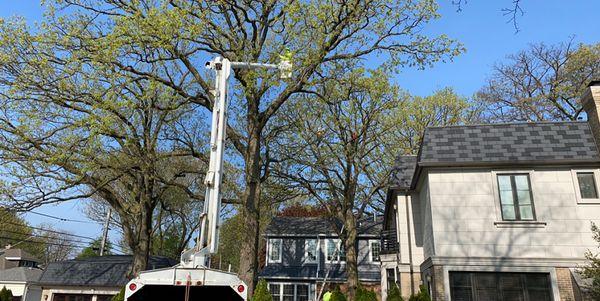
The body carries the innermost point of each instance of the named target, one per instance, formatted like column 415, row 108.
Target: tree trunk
column 350, row 244
column 251, row 199
column 139, row 241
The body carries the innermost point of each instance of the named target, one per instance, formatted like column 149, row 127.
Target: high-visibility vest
column 327, row 296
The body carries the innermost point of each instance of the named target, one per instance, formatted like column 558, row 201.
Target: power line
column 61, row 218
column 46, row 243
column 47, row 230
column 45, row 236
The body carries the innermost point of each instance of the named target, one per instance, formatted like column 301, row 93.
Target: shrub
column 336, row 295
column 120, row 296
column 423, row 295
column 261, row 293
column 5, row 294
column 363, row 294
column 393, row 294
column 592, row 270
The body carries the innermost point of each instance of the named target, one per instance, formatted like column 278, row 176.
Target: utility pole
column 105, row 234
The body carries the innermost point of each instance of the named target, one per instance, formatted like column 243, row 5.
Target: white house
column 20, row 281
column 496, row 212
column 18, row 272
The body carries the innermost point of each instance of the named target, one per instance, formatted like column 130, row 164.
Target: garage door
column 478, row 286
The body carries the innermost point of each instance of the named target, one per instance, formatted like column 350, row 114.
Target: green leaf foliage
column 93, row 249
column 261, row 293
column 120, row 296
column 423, row 295
column 5, row 294
column 592, row 270
column 337, row 295
column 393, row 294
column 364, row 294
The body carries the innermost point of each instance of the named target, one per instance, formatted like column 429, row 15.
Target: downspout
column 397, row 269
column 410, row 255
column 318, row 265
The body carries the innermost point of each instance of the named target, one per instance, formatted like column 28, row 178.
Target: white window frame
column 336, row 260
column 371, row 242
column 295, row 284
column 500, row 223
column 581, row 200
column 270, row 247
column 306, row 257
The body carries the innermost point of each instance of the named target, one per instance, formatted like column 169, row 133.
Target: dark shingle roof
column 498, row 144
column 104, row 271
column 516, row 143
column 24, row 274
column 305, row 226
column 402, row 171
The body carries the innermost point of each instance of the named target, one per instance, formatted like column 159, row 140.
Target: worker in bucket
column 327, row 296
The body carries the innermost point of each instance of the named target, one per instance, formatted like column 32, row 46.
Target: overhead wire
column 62, row 218
column 48, row 230
column 44, row 236
column 45, row 243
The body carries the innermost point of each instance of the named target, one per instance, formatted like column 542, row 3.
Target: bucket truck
column 192, row 278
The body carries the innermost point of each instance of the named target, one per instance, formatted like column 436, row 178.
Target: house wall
column 467, row 222
column 17, row 288
column 49, row 291
column 293, row 255
column 425, row 202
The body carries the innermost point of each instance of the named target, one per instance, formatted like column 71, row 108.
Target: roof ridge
column 507, row 123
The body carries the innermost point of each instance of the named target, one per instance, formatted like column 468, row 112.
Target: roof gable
column 17, row 254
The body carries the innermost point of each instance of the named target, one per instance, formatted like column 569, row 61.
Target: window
column 587, row 185
column 310, row 250
column 479, row 286
column 375, row 249
column 335, row 251
column 302, row 292
column 275, row 291
column 71, row 297
column 275, row 246
column 515, row 197
column 290, row 291
column 391, row 278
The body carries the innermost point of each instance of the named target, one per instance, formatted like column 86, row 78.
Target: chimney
column 591, row 105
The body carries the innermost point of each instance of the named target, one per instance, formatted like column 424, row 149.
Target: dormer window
column 275, row 250
column 516, row 200
column 310, row 250
column 335, row 251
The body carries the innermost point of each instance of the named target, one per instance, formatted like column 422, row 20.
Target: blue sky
column 480, row 26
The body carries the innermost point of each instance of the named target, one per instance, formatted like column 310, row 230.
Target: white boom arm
column 193, row 275
column 208, row 242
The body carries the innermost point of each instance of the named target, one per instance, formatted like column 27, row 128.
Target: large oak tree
column 153, row 52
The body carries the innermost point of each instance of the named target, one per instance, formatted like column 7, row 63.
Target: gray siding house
column 496, row 212
column 305, row 252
